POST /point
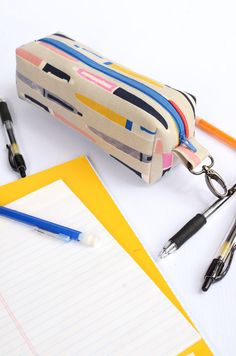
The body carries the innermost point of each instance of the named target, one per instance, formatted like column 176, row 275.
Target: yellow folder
column 81, row 178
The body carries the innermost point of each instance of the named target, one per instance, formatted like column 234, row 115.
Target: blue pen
column 48, row 227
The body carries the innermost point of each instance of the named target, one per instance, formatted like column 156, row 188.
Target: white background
column 187, row 44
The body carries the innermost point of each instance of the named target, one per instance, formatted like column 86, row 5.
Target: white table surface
column 187, row 44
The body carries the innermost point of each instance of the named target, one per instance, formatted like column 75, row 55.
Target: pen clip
column 228, row 263
column 11, row 158
column 50, row 234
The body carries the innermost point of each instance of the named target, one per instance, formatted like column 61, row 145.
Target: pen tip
column 169, row 248
column 163, row 253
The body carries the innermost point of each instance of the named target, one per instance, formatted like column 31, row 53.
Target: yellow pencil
column 214, row 131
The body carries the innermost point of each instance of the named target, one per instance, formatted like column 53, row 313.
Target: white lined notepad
column 66, row 299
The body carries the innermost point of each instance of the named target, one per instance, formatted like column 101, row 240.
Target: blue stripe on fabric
column 129, row 125
column 129, row 81
column 95, row 54
column 148, row 131
column 107, row 63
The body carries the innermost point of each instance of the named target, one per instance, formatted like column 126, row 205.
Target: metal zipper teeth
column 126, row 80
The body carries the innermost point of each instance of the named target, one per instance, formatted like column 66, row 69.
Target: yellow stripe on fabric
column 135, row 75
column 109, row 114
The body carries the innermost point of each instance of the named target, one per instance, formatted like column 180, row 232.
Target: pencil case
column 144, row 124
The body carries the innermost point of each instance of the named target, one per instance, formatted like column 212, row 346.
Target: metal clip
column 227, row 266
column 11, row 158
column 210, row 176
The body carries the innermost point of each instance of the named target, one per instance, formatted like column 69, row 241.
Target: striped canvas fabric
column 146, row 125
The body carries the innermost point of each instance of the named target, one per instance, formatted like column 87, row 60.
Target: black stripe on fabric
column 48, row 68
column 194, row 97
column 188, row 100
column 63, row 36
column 135, row 100
column 145, row 158
column 37, row 102
column 138, row 173
column 59, row 101
column 165, row 171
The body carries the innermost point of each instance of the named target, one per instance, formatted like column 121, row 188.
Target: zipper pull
column 188, row 144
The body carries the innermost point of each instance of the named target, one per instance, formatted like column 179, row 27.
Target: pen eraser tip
column 89, row 239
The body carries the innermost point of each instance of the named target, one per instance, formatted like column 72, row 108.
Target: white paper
column 59, row 298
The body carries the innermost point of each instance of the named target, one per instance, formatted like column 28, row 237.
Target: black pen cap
column 4, row 112
column 212, row 273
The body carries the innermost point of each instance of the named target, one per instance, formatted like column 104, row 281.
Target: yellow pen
column 222, row 261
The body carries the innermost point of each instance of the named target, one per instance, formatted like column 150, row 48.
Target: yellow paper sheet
column 84, row 182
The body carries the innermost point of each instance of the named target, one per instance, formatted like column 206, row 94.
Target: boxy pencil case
column 144, row 124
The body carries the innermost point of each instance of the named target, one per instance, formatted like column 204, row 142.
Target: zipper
column 167, row 105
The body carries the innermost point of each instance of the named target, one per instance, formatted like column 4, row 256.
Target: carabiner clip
column 210, row 176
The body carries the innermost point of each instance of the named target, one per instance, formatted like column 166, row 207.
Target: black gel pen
column 16, row 159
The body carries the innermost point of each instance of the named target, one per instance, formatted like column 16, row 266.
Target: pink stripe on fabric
column 158, row 147
column 103, row 83
column 189, row 154
column 30, row 57
column 68, row 123
column 58, row 51
column 17, row 325
column 167, row 159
